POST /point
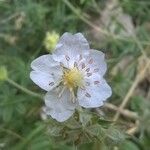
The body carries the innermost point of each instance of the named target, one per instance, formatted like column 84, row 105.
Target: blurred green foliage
column 23, row 26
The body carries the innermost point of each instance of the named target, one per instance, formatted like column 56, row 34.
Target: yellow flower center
column 73, row 78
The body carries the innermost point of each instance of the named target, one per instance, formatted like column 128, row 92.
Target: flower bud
column 3, row 73
column 51, row 40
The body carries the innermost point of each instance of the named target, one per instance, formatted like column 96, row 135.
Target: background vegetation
column 119, row 28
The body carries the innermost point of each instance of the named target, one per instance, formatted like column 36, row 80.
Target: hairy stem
column 23, row 89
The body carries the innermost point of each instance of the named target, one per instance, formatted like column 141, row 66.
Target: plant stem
column 98, row 28
column 23, row 89
column 10, row 132
column 124, row 112
column 138, row 78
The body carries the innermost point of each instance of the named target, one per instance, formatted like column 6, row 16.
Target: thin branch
column 124, row 112
column 9, row 18
column 99, row 29
column 138, row 78
column 133, row 129
column 11, row 132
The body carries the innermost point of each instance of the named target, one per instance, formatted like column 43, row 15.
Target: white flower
column 72, row 76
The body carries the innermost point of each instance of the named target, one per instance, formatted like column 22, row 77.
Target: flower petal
column 59, row 108
column 43, row 80
column 71, row 46
column 47, row 72
column 46, row 64
column 99, row 61
column 95, row 93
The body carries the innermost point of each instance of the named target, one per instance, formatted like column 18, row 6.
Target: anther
column 61, row 64
column 89, row 74
column 96, row 82
column 75, row 64
column 90, row 61
column 83, row 65
column 96, row 70
column 82, row 88
column 51, row 83
column 87, row 70
column 87, row 95
column 80, row 57
column 67, row 57
column 87, row 83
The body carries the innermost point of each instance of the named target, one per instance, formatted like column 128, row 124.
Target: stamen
column 65, row 83
column 73, row 98
column 96, row 70
column 82, row 88
column 61, row 92
column 88, row 95
column 75, row 64
column 67, row 57
column 80, row 57
column 89, row 74
column 83, row 65
column 73, row 78
column 87, row 83
column 87, row 70
column 61, row 64
column 90, row 61
column 96, row 82
column 51, row 83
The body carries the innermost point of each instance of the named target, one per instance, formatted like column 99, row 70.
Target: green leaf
column 104, row 123
column 96, row 130
column 3, row 73
column 137, row 102
column 85, row 118
column 128, row 145
column 72, row 123
column 7, row 113
column 115, row 135
column 54, row 130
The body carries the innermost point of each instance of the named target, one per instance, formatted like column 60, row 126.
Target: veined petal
column 46, row 64
column 43, row 80
column 47, row 72
column 58, row 107
column 70, row 47
column 95, row 93
column 99, row 64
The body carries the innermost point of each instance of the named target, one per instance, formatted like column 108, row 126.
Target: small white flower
column 72, row 75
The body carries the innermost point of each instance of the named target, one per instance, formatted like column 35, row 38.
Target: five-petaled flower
column 72, row 77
